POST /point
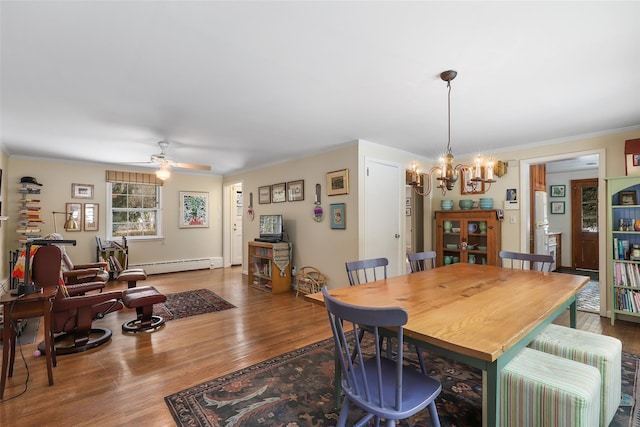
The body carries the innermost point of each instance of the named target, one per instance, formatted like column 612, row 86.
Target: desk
column 32, row 305
column 480, row 315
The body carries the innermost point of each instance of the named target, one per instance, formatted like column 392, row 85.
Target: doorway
column 525, row 216
column 233, row 206
column 584, row 224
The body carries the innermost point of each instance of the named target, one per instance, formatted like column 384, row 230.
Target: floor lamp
column 69, row 224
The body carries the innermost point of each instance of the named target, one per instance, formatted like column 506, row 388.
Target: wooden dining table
column 480, row 315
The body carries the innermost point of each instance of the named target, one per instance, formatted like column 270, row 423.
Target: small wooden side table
column 20, row 307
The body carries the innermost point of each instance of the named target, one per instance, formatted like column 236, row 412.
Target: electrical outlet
column 512, row 219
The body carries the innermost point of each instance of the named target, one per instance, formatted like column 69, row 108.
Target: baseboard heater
column 177, row 265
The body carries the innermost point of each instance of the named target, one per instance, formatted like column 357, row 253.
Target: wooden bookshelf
column 266, row 268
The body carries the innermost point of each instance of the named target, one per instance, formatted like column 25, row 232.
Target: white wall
column 57, row 177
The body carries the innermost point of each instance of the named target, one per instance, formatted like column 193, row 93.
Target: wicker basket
column 309, row 280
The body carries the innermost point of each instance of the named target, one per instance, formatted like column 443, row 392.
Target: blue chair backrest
column 526, row 261
column 364, row 378
column 366, row 270
column 420, row 261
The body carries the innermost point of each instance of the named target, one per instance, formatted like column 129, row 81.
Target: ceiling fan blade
column 192, row 166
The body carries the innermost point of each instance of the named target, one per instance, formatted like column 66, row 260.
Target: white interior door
column 236, row 230
column 383, row 203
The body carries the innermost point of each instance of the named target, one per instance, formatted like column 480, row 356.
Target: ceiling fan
column 166, row 164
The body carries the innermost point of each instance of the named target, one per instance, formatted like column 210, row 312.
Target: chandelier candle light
column 448, row 173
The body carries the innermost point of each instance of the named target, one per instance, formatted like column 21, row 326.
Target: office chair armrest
column 84, row 272
column 101, row 265
column 63, row 304
column 82, row 288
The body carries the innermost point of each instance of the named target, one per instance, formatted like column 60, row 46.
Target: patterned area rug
column 190, row 303
column 588, row 298
column 296, row 389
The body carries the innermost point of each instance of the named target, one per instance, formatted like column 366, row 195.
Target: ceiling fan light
column 163, row 173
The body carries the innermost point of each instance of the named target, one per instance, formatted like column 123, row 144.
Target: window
column 134, row 210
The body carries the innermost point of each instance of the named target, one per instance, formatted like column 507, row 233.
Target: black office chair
column 420, row 261
column 526, row 261
column 378, row 385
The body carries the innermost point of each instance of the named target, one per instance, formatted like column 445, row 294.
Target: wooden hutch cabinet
column 472, row 236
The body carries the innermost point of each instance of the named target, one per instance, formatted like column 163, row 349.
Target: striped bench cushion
column 540, row 389
column 600, row 351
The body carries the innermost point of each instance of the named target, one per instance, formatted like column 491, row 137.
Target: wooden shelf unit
column 463, row 244
column 115, row 254
column 264, row 273
column 29, row 213
column 623, row 282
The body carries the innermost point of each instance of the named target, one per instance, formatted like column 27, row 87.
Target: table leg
column 48, row 341
column 572, row 314
column 491, row 397
column 6, row 339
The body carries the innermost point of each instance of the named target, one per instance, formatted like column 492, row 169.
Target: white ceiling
column 238, row 85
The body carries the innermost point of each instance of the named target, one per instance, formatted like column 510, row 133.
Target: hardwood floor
column 125, row 381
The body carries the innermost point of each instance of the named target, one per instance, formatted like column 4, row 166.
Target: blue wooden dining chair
column 526, row 261
column 420, row 261
column 378, row 385
column 368, row 270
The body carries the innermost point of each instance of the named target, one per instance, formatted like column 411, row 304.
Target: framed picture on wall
column 338, row 216
column 558, row 190
column 90, row 217
column 194, row 209
column 338, row 182
column 264, row 194
column 557, row 207
column 279, row 193
column 74, row 213
column 81, row 191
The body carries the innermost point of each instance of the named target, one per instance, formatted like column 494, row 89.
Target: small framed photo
column 295, row 191
column 338, row 216
column 628, row 198
column 557, row 207
column 636, row 160
column 279, row 193
column 558, row 191
column 264, row 194
column 81, row 191
column 338, row 182
column 512, row 195
column 407, row 211
column 91, row 217
column 74, row 213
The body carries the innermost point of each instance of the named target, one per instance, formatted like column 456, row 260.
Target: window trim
column 109, row 215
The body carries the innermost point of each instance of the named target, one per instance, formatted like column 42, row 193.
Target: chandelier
column 446, row 173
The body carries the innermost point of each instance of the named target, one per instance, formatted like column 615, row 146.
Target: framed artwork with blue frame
column 338, row 216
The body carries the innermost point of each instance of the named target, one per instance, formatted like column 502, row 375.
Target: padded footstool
column 600, row 351
column 131, row 276
column 142, row 299
column 540, row 389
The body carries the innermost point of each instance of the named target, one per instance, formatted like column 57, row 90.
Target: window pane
column 134, row 210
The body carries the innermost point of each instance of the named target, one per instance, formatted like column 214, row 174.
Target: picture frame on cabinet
column 628, row 198
column 558, row 190
column 557, row 208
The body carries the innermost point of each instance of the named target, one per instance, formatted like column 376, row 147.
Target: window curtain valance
column 133, row 177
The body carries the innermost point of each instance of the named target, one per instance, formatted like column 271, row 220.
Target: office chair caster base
column 96, row 337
